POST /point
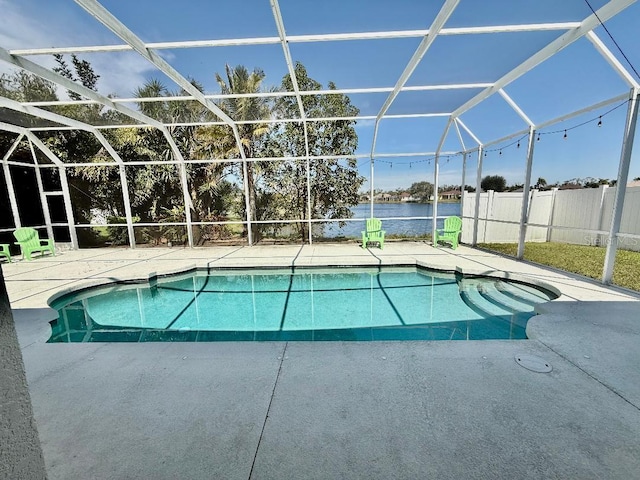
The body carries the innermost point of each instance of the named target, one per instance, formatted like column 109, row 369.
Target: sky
column 575, row 78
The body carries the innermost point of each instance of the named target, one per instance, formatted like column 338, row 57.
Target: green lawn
column 581, row 259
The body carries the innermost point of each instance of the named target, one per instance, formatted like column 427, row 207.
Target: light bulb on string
column 565, row 134
column 518, row 146
column 538, row 139
column 409, row 165
column 600, row 121
column 500, row 152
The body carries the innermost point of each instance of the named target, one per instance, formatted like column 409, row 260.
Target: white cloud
column 120, row 73
column 365, row 123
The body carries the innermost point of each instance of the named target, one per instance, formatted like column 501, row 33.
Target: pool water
column 364, row 304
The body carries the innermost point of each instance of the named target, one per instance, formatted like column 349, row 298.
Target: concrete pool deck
column 294, row 410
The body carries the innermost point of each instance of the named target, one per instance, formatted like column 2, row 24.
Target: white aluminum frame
column 573, row 31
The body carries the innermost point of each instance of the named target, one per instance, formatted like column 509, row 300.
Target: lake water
column 389, row 213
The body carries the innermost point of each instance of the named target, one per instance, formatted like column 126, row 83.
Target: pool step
column 496, row 298
column 522, row 293
column 490, row 291
column 470, row 294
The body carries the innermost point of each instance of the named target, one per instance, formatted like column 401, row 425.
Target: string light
column 599, row 119
column 515, row 142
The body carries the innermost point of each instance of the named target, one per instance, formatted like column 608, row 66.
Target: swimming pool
column 363, row 304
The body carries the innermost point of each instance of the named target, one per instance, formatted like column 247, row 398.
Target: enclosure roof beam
column 466, row 129
column 8, row 127
column 444, row 136
column 524, row 131
column 330, row 37
column 337, row 91
column 116, row 26
column 44, row 149
column 69, row 84
column 612, row 60
column 247, row 122
column 437, row 25
column 516, row 107
column 14, row 145
column 69, row 122
column 219, row 96
column 618, row 98
column 603, row 14
column 44, row 114
column 277, row 15
column 464, row 148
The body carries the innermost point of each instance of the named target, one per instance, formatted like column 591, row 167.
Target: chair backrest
column 373, row 225
column 452, row 224
column 27, row 236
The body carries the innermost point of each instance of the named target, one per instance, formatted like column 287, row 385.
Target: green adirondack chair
column 373, row 233
column 4, row 251
column 30, row 242
column 450, row 233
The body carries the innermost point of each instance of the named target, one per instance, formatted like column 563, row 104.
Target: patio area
column 461, row 409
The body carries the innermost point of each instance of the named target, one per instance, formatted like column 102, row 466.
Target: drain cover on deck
column 533, row 363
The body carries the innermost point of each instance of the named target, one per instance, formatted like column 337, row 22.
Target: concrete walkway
column 380, row 410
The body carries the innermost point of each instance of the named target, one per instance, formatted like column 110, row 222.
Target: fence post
column 598, row 218
column 487, row 213
column 551, row 210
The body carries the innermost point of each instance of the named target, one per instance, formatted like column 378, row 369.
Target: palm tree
column 240, row 81
column 208, row 191
column 541, row 183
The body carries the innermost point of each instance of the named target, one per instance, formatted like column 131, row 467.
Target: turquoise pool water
column 364, row 304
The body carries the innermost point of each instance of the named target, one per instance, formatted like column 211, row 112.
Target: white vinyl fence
column 581, row 216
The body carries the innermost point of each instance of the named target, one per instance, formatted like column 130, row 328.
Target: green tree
column 334, row 182
column 496, row 183
column 90, row 187
column 541, row 183
column 158, row 189
column 421, row 190
column 239, row 81
column 23, row 86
